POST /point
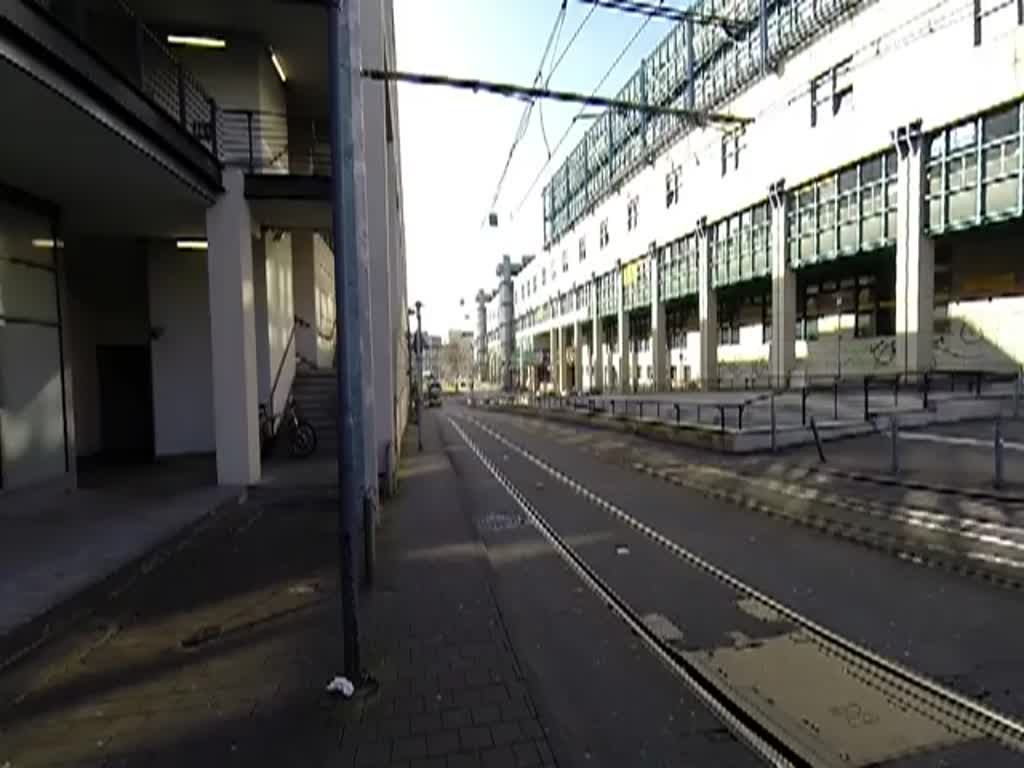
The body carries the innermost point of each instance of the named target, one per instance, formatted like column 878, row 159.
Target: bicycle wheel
column 303, row 440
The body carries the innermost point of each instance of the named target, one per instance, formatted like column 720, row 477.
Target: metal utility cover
column 822, row 704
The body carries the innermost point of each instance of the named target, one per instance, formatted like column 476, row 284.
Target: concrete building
column 866, row 220
column 165, row 248
column 432, row 348
column 457, row 359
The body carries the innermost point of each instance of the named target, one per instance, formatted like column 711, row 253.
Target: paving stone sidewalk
column 220, row 656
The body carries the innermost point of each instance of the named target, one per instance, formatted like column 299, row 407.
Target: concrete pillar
column 577, row 357
column 659, row 344
column 708, row 303
column 553, row 357
column 783, row 341
column 915, row 258
column 596, row 341
column 233, row 334
column 624, row 377
column 563, row 368
column 304, row 295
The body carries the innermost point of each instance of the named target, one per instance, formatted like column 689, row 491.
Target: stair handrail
column 296, row 320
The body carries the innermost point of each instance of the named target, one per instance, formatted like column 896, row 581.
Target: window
column 731, row 145
column 565, row 261
column 583, row 249
column 632, row 213
column 831, row 90
column 672, row 187
column 603, row 238
column 729, row 325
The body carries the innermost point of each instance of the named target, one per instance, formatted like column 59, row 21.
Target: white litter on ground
column 341, row 685
column 301, row 589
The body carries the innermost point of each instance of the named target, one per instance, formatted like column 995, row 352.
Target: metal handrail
column 280, row 370
column 153, row 69
column 268, row 142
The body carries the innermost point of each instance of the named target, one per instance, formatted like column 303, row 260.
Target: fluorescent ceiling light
column 47, row 242
column 191, row 245
column 197, row 41
column 278, row 67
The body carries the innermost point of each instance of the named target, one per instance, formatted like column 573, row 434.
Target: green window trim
column 741, row 246
column 974, row 171
column 848, row 211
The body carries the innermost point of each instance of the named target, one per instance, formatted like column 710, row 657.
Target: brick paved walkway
column 220, row 656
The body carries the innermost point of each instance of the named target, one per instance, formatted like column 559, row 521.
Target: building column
column 553, row 358
column 708, row 303
column 623, row 377
column 563, row 369
column 596, row 341
column 233, row 334
column 783, row 341
column 915, row 257
column 577, row 357
column 659, row 346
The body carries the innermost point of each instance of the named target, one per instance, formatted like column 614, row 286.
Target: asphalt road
column 960, row 633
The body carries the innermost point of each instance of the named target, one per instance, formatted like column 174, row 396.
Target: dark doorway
column 126, row 403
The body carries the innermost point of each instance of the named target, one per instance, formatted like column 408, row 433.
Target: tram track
column 765, row 719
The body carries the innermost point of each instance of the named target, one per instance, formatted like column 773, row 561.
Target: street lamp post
column 839, row 337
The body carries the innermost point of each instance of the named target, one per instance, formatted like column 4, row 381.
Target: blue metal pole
column 346, row 287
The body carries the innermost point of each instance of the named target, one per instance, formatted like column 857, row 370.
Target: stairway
column 316, row 396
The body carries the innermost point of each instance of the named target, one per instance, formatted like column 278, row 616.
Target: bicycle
column 301, row 435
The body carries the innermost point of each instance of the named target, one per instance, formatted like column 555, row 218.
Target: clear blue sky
column 454, row 143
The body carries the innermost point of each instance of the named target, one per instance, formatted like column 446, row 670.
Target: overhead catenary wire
column 576, row 117
column 730, row 25
column 554, row 67
column 519, row 91
column 524, row 119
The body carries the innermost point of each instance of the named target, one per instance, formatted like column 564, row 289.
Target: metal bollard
column 817, row 440
column 771, row 404
column 894, row 436
column 997, row 480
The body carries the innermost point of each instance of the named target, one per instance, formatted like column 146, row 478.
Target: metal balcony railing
column 112, row 31
column 271, row 143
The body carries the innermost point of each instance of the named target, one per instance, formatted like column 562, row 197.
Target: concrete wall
column 107, row 287
column 304, row 295
column 31, row 418
column 325, row 316
column 280, row 316
column 179, row 308
column 274, row 315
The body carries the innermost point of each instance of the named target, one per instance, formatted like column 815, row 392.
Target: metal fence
column 272, row 142
column 112, row 31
